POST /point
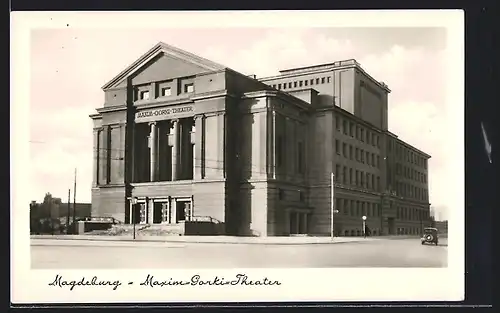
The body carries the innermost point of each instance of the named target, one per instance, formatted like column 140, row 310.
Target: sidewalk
column 221, row 239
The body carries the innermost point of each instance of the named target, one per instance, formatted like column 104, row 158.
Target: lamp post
column 364, row 226
column 134, row 203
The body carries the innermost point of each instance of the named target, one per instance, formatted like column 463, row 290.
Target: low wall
column 203, row 229
column 88, row 226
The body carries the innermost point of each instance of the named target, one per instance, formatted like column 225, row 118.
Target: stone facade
column 180, row 138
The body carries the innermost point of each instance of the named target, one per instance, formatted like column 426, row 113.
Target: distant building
column 442, row 227
column 52, row 217
column 189, row 139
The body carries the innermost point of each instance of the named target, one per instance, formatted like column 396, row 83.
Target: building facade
column 182, row 139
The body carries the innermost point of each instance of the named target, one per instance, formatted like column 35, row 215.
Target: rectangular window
column 378, row 161
column 312, row 82
column 357, row 154
column 358, row 178
column 322, row 80
column 300, row 83
column 279, row 151
column 344, row 175
column 362, row 156
column 337, row 172
column 306, row 82
column 144, row 95
column 189, row 88
column 362, row 135
column 351, row 131
column 284, row 86
column 351, row 180
column 317, row 81
column 295, row 84
column 346, row 128
column 290, row 85
column 373, row 183
column 344, row 150
column 373, row 159
column 368, row 137
column 279, row 86
column 337, row 123
column 337, row 146
column 350, row 152
column 328, row 79
column 368, row 157
column 300, row 158
column 166, row 92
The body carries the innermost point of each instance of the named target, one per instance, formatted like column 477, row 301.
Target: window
column 290, row 85
column 373, row 159
column 300, row 83
column 337, row 171
column 378, row 161
column 306, row 82
column 346, row 128
column 312, row 82
column 166, row 91
column 300, row 158
column 279, row 151
column 368, row 157
column 362, row 179
column 337, row 146
column 284, row 86
column 322, row 80
column 351, row 131
column 368, row 180
column 368, row 137
column 362, row 156
column 351, row 180
column 328, row 79
column 373, row 183
column 188, row 88
column 358, row 178
column 279, row 86
column 344, row 150
column 317, row 81
column 274, row 86
column 357, row 154
column 302, row 196
column 350, row 152
column 344, row 175
column 144, row 95
column 295, row 84
column 281, row 194
column 362, row 135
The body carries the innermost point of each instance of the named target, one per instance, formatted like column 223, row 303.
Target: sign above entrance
column 164, row 113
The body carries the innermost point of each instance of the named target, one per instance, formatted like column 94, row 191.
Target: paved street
column 60, row 254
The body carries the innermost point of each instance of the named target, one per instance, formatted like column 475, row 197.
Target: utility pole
column 74, row 202
column 67, row 220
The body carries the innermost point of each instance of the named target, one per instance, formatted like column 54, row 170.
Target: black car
column 430, row 235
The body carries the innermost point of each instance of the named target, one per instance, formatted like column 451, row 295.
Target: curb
column 158, row 240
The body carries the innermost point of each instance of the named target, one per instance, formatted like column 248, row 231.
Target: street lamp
column 134, row 203
column 364, row 226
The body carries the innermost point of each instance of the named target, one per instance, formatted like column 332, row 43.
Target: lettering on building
column 162, row 113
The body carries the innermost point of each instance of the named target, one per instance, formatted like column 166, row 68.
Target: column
column 150, row 207
column 271, row 148
column 198, row 155
column 174, row 211
column 131, row 212
column 95, row 169
column 153, row 145
column 174, row 143
column 193, row 146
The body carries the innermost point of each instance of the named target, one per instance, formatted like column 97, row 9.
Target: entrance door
column 183, row 210
column 157, row 212
column 390, row 224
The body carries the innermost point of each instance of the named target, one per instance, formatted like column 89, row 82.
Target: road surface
column 73, row 254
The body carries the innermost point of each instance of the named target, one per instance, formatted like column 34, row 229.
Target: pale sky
column 69, row 66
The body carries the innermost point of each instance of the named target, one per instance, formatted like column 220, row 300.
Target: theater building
column 182, row 140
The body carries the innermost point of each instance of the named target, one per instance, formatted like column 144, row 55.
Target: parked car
column 430, row 235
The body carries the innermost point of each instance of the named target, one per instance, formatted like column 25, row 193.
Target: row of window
column 405, row 154
column 349, row 128
column 349, row 176
column 359, row 232
column 357, row 208
column 410, row 173
column 145, row 94
column 358, row 154
column 410, row 191
column 303, row 83
column 411, row 214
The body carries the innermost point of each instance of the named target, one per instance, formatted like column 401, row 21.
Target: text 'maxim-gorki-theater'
column 182, row 141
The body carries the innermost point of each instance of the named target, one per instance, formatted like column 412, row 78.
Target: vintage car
column 430, row 235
